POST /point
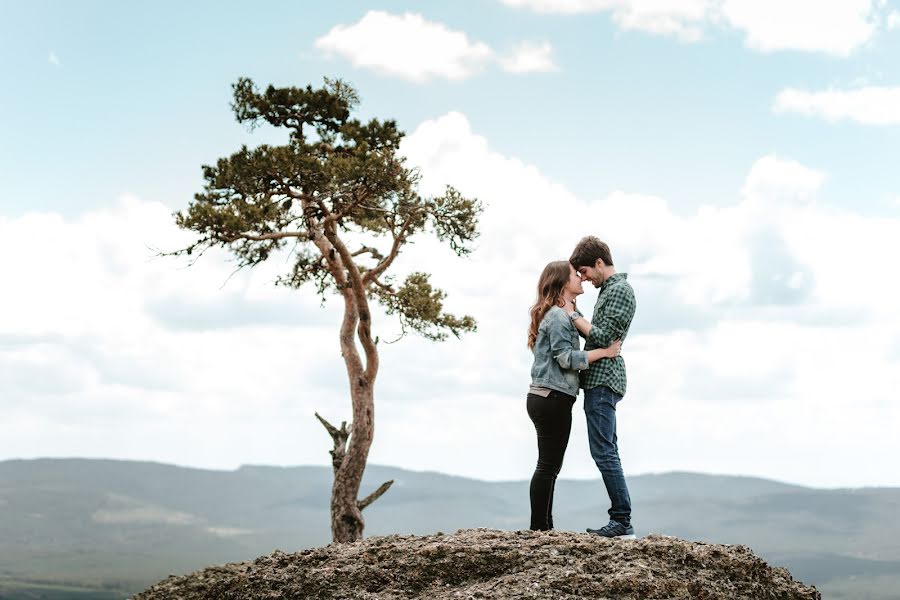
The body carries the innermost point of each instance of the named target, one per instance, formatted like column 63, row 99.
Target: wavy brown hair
column 549, row 288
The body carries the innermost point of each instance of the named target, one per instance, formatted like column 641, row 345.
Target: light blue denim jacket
column 557, row 354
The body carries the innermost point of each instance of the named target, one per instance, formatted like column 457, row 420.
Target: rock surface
column 485, row 563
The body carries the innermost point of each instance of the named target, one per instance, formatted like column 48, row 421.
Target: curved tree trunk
column 347, row 522
column 349, row 459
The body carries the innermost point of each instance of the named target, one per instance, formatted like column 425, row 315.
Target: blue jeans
column 600, row 411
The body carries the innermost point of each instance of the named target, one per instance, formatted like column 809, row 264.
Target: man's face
column 592, row 274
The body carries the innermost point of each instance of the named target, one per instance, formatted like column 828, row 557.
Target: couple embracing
column 561, row 367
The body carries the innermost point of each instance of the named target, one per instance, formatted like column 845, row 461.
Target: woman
column 555, row 345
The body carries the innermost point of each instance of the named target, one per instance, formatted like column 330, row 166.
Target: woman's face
column 574, row 285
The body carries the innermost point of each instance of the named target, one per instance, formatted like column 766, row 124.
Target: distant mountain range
column 103, row 529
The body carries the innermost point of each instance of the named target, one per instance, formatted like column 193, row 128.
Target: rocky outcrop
column 484, row 563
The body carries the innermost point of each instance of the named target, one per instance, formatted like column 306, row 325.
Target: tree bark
column 349, row 459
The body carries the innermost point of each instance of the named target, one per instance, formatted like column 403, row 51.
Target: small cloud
column 870, row 105
column 53, row 59
column 529, row 58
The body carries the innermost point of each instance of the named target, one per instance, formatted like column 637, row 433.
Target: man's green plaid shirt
column 612, row 317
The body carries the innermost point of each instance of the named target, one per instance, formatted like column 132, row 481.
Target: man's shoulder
column 621, row 286
column 619, row 296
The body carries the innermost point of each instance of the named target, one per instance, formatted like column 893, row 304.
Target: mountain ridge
column 96, row 521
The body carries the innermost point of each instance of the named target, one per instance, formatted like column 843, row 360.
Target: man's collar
column 613, row 278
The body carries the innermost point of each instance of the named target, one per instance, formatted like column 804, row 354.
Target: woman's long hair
column 549, row 289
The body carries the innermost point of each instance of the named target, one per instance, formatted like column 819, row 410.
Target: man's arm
column 616, row 316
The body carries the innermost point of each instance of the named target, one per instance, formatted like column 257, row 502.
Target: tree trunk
column 349, row 459
column 347, row 522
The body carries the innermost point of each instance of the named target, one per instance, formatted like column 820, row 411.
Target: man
column 604, row 380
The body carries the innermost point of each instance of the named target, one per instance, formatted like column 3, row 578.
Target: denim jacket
column 557, row 354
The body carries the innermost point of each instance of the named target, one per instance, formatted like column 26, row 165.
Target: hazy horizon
column 525, row 476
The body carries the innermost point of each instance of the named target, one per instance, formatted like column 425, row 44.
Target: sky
column 739, row 157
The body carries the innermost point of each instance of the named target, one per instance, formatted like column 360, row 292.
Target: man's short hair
column 588, row 250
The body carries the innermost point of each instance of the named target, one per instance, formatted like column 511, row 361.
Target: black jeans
column 552, row 418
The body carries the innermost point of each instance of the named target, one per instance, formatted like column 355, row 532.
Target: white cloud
column 413, row 48
column 683, row 19
column 838, row 27
column 893, row 20
column 772, row 180
column 53, row 59
column 749, row 303
column 528, row 58
column 870, row 105
column 90, row 367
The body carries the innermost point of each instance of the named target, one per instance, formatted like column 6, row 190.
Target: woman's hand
column 615, row 349
column 611, row 351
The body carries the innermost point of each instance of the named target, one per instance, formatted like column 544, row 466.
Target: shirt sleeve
column 617, row 313
column 568, row 356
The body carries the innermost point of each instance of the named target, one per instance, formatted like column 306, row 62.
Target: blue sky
column 147, row 86
column 726, row 147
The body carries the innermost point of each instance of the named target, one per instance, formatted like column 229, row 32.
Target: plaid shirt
column 612, row 317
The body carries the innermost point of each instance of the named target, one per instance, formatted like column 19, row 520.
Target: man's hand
column 569, row 307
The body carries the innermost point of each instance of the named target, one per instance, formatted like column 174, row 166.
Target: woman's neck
column 567, row 297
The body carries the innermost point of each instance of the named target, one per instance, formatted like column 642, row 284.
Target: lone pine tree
column 342, row 196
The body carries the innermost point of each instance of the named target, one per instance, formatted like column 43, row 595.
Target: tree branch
column 399, row 240
column 327, row 215
column 384, row 286
column 340, row 437
column 204, row 245
column 317, row 236
column 376, row 254
column 345, row 210
column 362, row 504
column 376, row 209
column 277, row 235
